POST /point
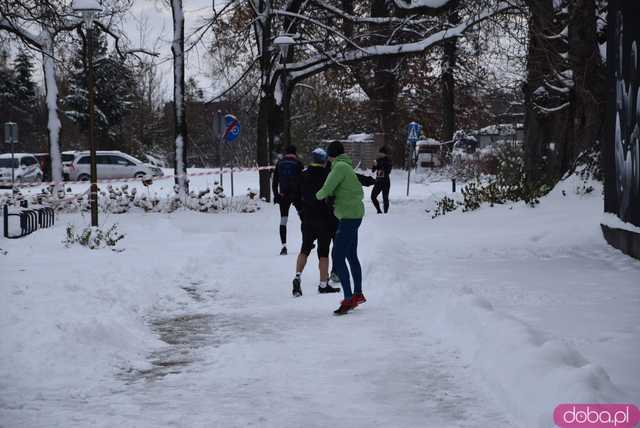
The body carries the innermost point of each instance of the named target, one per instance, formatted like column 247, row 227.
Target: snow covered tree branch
column 319, row 63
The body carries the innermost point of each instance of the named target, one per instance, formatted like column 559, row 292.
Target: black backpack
column 289, row 176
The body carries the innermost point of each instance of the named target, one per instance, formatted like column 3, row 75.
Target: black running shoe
column 297, row 291
column 327, row 289
column 283, row 252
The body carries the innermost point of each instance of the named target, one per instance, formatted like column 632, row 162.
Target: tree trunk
column 547, row 112
column 389, row 125
column 53, row 123
column 266, row 104
column 589, row 75
column 263, row 146
column 180, row 119
column 448, row 81
column 382, row 90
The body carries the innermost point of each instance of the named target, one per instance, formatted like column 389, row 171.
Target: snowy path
column 473, row 320
column 266, row 359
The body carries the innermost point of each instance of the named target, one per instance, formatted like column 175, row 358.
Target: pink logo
column 596, row 415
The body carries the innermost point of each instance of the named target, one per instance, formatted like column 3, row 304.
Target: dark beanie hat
column 290, row 150
column 384, row 150
column 335, row 149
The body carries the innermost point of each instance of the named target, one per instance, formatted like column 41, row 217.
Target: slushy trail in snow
column 264, row 358
column 240, row 351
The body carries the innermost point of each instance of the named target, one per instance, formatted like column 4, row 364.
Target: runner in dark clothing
column 318, row 224
column 382, row 168
column 287, row 189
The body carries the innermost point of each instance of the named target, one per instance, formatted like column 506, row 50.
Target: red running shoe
column 358, row 299
column 345, row 306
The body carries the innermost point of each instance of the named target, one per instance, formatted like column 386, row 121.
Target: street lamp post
column 284, row 41
column 88, row 9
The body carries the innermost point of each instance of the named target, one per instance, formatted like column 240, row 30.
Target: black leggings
column 285, row 205
column 381, row 186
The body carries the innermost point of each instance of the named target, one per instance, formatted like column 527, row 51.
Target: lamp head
column 283, row 42
column 87, row 8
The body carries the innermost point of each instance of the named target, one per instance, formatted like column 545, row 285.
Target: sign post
column 226, row 127
column 11, row 138
column 218, row 132
column 231, row 132
column 413, row 134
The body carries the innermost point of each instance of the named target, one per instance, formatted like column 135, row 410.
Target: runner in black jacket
column 318, row 223
column 287, row 189
column 382, row 168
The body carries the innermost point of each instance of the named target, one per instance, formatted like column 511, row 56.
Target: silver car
column 26, row 169
column 110, row 165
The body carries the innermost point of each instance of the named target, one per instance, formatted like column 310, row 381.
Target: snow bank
column 70, row 318
column 614, row 222
column 528, row 371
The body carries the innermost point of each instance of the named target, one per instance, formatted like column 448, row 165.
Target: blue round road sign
column 232, row 127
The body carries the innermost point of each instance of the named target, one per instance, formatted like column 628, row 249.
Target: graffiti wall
column 621, row 153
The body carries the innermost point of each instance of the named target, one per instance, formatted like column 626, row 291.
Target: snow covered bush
column 116, row 200
column 445, row 205
column 61, row 200
column 123, row 199
column 510, row 184
column 93, row 237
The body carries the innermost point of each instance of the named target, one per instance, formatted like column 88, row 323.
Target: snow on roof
column 428, row 142
column 360, row 138
column 500, row 129
column 17, row 155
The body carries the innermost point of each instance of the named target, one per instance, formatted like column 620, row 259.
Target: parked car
column 45, row 161
column 26, row 169
column 67, row 161
column 110, row 165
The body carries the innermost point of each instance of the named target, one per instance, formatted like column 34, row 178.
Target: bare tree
column 180, row 119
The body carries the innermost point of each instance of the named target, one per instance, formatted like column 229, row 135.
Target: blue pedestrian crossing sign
column 232, row 127
column 413, row 130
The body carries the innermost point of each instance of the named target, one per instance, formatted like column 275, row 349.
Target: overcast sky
column 149, row 25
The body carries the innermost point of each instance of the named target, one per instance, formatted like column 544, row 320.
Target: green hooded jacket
column 343, row 183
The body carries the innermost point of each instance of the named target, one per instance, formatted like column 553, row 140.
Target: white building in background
column 430, row 153
column 498, row 134
column 362, row 148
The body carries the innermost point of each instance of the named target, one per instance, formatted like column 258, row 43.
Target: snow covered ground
column 481, row 319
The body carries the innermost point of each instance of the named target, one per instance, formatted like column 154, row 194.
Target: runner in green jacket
column 343, row 184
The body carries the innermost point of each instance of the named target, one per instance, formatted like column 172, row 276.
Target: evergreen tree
column 7, row 87
column 25, row 99
column 114, row 87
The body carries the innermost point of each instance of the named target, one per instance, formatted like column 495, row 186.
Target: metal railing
column 30, row 220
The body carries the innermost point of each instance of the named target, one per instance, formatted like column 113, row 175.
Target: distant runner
column 382, row 168
column 318, row 224
column 287, row 190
